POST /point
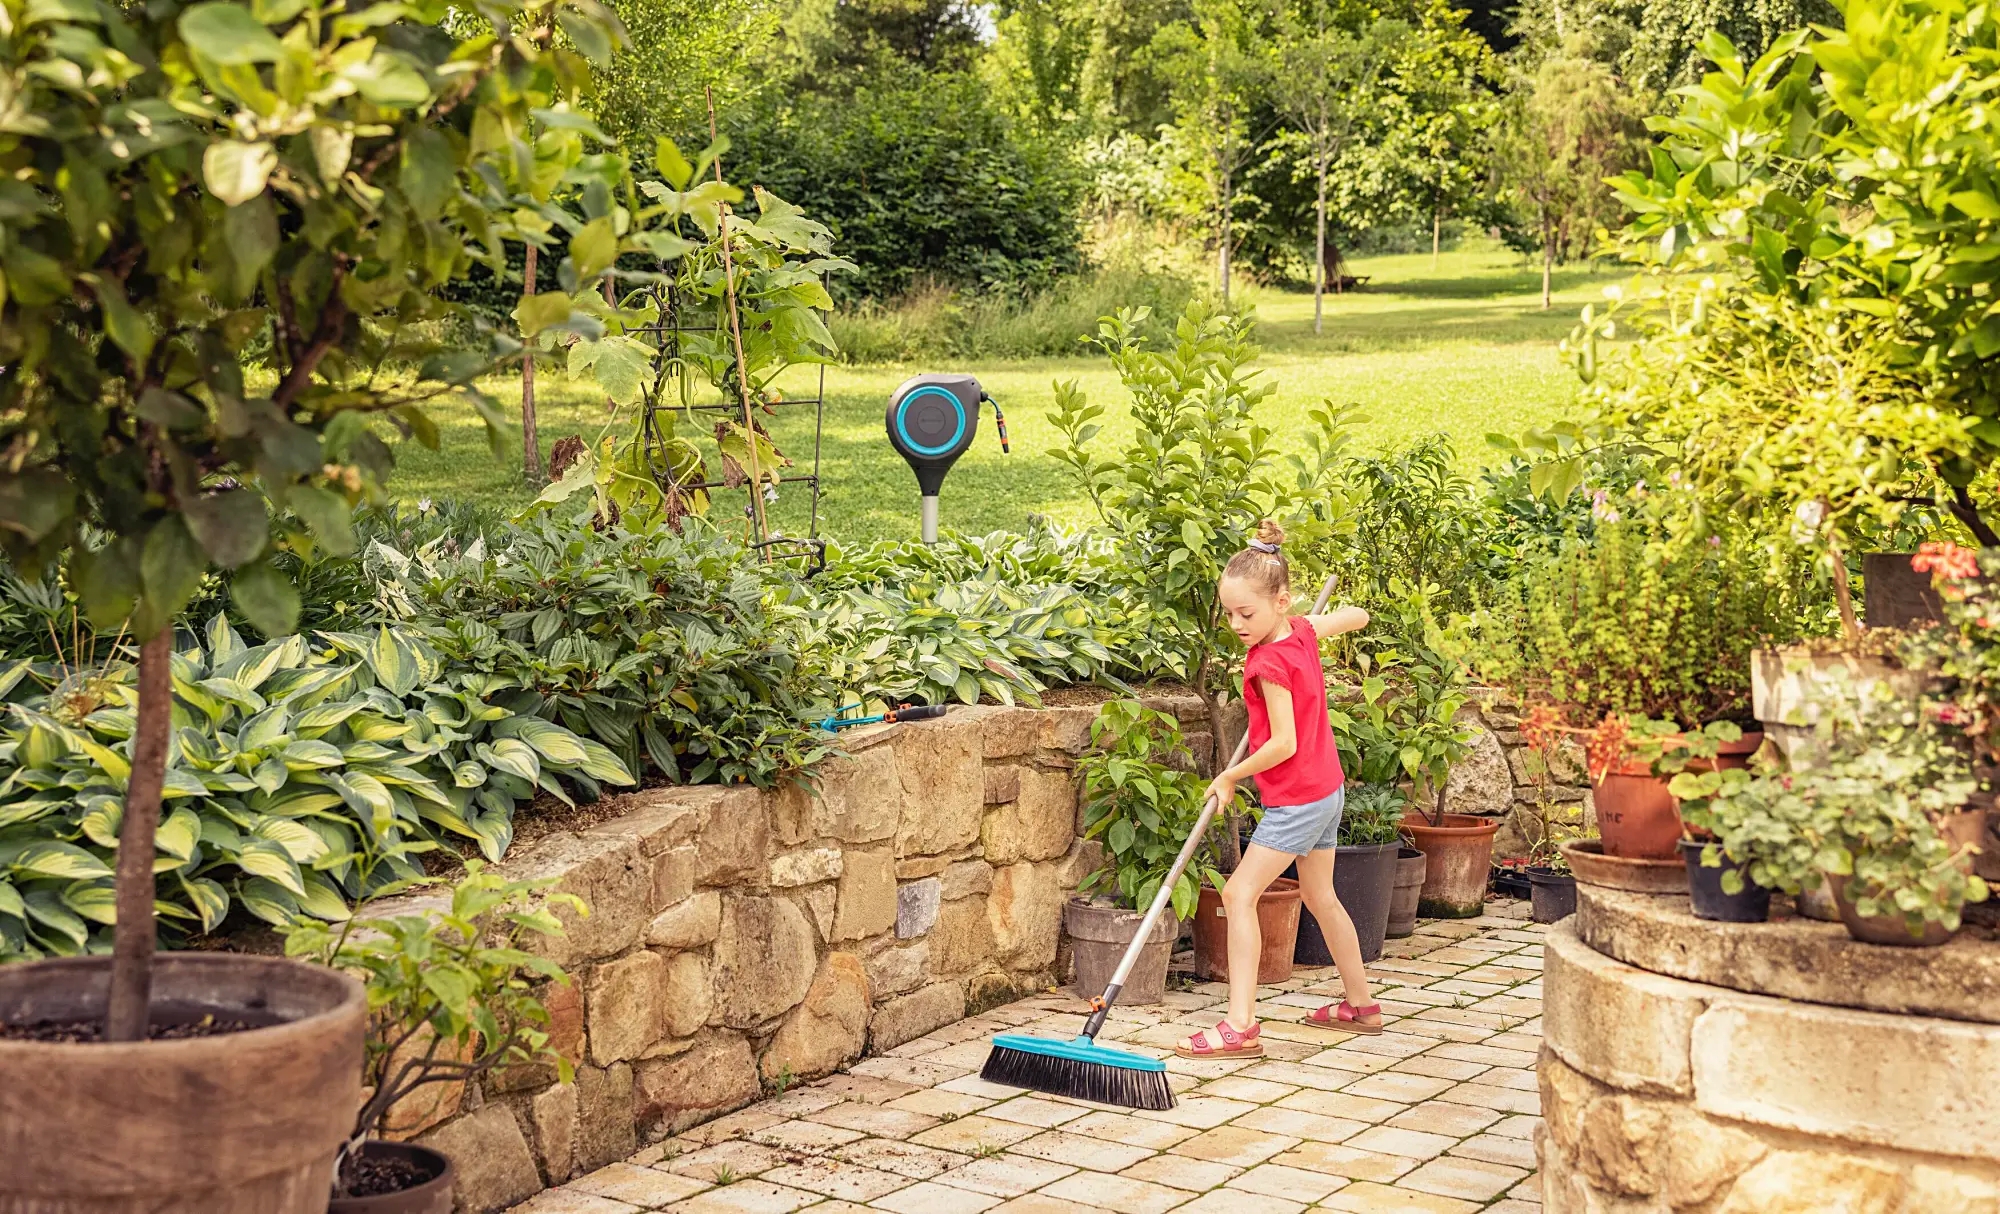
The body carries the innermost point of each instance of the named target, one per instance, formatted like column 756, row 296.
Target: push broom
column 1083, row 1069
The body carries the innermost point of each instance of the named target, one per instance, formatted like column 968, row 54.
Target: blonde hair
column 1262, row 564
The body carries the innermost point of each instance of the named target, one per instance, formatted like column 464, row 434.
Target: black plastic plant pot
column 1551, row 895
column 1511, row 882
column 1752, row 905
column 1364, row 881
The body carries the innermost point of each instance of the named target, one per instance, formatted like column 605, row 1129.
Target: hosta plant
column 1141, row 798
column 302, row 774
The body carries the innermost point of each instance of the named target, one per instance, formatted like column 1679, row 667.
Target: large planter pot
column 1592, row 867
column 241, row 1123
column 1783, row 684
column 1706, row 896
column 1409, row 888
column 431, row 1196
column 1893, row 595
column 1277, row 918
column 1883, row 929
column 1364, row 880
column 1552, row 896
column 1458, row 852
column 1637, row 817
column 1099, row 934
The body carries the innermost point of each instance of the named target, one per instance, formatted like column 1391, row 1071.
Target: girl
column 1297, row 768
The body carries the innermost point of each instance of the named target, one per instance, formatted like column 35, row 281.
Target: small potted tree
column 451, row 998
column 1141, row 797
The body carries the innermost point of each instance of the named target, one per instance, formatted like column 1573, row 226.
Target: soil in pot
column 396, row 1178
column 1636, row 815
column 1705, row 893
column 237, row 1123
column 1277, row 917
column 1552, row 896
column 1458, row 855
column 1883, row 929
column 1100, row 932
column 1364, row 880
column 1409, row 887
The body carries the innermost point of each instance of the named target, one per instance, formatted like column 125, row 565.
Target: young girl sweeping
column 1297, row 768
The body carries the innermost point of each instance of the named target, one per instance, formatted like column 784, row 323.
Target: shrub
column 303, row 775
column 1373, row 815
column 1142, row 798
column 934, row 321
column 1400, row 726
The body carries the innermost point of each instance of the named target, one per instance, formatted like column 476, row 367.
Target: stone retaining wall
column 1661, row 1094
column 740, row 940
column 1504, row 777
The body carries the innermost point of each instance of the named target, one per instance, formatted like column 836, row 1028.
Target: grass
column 1464, row 349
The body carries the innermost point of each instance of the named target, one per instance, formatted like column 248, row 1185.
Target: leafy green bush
column 936, row 321
column 293, row 761
column 1412, row 520
column 1373, row 815
column 1142, row 798
column 1400, row 724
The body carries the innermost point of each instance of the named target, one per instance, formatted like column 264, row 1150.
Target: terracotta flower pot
column 1098, row 937
column 1883, row 929
column 1636, row 816
column 430, row 1196
column 1278, row 919
column 1410, row 864
column 239, row 1123
column 1458, row 852
column 1592, row 867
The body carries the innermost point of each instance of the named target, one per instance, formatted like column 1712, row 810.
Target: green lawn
column 1464, row 349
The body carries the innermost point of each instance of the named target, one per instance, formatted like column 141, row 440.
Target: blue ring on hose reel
column 958, row 407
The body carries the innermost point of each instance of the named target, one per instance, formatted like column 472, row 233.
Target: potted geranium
column 451, row 998
column 1141, row 797
column 1546, row 827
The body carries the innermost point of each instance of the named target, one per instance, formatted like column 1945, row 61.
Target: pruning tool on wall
column 908, row 712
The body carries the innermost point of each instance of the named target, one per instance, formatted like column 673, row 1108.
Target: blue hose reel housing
column 932, row 420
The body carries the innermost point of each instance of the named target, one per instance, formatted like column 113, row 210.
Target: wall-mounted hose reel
column 932, row 420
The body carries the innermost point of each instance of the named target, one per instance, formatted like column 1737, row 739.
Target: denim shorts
column 1298, row 829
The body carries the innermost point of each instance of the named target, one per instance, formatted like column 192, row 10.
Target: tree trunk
column 1437, row 228
column 133, row 935
column 1548, row 261
column 1319, row 232
column 1222, row 253
column 531, row 443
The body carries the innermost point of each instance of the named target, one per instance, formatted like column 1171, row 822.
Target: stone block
column 625, row 1006
column 868, row 900
column 764, row 960
column 605, row 1131
column 819, row 902
column 1617, row 1024
column 686, row 995
column 1937, row 1190
column 1038, row 825
column 660, row 819
column 1904, row 1082
column 860, row 797
column 564, row 1003
column 1003, row 784
column 911, row 1016
column 1025, row 911
column 496, row 1168
column 717, row 1075
column 962, row 940
column 1797, row 1182
column 792, row 807
column 673, row 877
column 1566, row 1093
column 1067, row 729
column 1482, row 783
column 829, row 1029
column 426, row 1106
column 805, row 867
column 553, row 1114
column 689, row 923
column 892, row 971
column 965, row 878
column 1085, row 857
column 917, row 907
column 942, row 772
column 1704, row 1156
column 611, row 878
column 735, row 838
column 1622, row 1144
column 1010, row 733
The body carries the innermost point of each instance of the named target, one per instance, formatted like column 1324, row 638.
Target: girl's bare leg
column 1316, row 887
column 1260, row 866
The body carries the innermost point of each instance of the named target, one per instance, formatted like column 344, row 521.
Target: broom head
column 1080, row 1069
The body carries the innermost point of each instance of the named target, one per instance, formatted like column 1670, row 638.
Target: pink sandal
column 1347, row 1018
column 1234, row 1044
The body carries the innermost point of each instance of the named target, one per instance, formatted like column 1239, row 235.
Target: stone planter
column 1403, row 897
column 1277, row 918
column 243, row 1123
column 1592, row 867
column 1099, row 935
column 432, row 1196
column 1752, row 904
column 1637, row 817
column 1553, row 895
column 1364, row 881
column 1783, row 682
column 1458, row 851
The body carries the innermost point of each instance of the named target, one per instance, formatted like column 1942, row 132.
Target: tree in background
column 1656, row 44
column 1216, row 59
column 681, row 49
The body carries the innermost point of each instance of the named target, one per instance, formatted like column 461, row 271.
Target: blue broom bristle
column 1080, row 1069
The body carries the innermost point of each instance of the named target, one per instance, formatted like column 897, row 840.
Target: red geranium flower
column 1946, row 559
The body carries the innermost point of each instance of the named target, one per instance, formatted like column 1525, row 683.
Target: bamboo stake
column 736, row 336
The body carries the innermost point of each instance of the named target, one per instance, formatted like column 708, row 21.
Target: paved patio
column 1436, row 1115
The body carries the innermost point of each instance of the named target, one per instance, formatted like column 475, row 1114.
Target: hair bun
column 1269, row 533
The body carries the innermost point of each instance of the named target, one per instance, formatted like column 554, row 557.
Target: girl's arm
column 1284, row 743
column 1347, row 619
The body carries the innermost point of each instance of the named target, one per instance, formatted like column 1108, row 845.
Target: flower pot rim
column 1467, row 826
column 1373, row 848
column 1544, row 875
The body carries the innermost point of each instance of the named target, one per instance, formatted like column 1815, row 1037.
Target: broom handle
column 1102, row 1006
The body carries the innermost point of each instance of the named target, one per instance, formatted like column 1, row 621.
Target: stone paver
column 1435, row 1116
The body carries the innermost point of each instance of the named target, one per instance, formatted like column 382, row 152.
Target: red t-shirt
column 1313, row 772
